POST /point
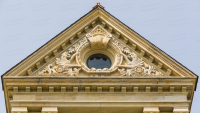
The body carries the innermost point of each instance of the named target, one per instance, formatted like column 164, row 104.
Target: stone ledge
column 96, row 104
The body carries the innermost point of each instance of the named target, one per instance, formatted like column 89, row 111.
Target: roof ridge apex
column 98, row 5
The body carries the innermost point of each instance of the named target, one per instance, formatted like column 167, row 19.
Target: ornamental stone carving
column 63, row 66
column 73, row 61
column 98, row 38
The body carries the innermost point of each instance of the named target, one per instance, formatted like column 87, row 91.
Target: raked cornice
column 145, row 45
column 115, row 24
column 54, row 43
column 15, row 78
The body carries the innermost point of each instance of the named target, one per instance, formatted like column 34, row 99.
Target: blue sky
column 173, row 26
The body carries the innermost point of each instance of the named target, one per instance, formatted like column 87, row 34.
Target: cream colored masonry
column 56, row 79
column 142, row 48
column 100, row 92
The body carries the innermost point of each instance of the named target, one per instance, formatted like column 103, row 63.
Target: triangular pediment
column 137, row 75
column 99, row 32
column 125, row 61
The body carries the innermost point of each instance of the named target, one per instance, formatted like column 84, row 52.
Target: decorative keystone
column 98, row 38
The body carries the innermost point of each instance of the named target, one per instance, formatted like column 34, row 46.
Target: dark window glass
column 98, row 61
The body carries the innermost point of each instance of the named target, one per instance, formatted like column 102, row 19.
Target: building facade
column 99, row 65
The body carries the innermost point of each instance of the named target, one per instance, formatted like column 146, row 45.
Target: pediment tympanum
column 100, row 33
column 133, row 74
column 73, row 61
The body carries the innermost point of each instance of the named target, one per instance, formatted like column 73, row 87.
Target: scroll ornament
column 63, row 66
column 135, row 66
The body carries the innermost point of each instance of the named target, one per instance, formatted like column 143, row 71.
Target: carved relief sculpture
column 135, row 66
column 98, row 41
column 98, row 38
column 98, row 64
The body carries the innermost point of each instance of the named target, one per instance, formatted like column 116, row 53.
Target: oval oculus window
column 98, row 61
